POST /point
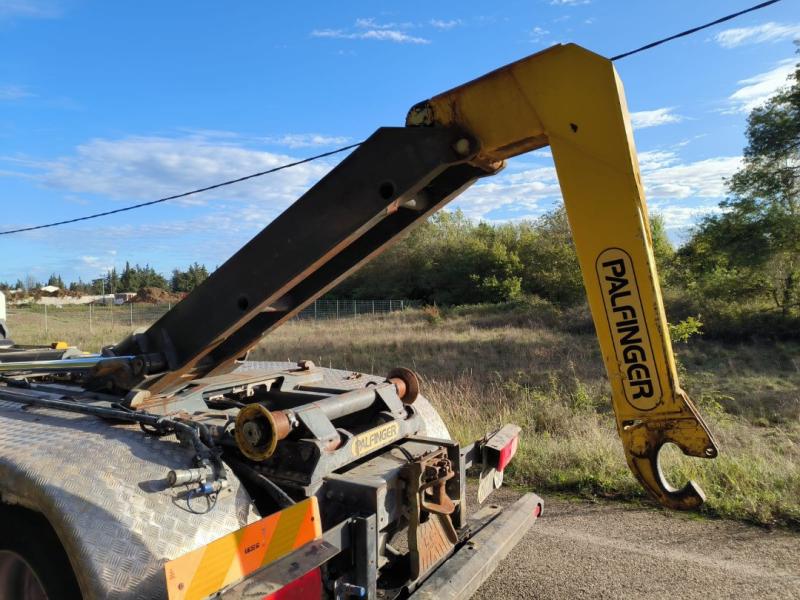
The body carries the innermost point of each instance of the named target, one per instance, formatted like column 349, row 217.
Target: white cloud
column 386, row 35
column 653, row 118
column 38, row 9
column 306, row 140
column 569, row 2
column 681, row 218
column 652, row 160
column 757, row 34
column 207, row 227
column 371, row 23
column 666, row 179
column 14, row 92
column 755, row 90
column 146, row 168
column 98, row 264
column 442, row 24
column 370, row 29
column 524, row 190
column 537, row 33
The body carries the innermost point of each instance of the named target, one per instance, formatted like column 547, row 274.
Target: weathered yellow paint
column 374, row 438
column 572, row 100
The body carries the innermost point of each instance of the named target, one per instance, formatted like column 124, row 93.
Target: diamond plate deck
column 101, row 487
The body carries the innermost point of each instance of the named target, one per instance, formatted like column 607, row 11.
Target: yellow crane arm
column 572, row 100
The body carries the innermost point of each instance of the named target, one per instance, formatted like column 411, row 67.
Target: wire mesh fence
column 91, row 318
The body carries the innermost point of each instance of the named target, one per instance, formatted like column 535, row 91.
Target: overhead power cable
column 695, row 29
column 344, row 148
column 184, row 194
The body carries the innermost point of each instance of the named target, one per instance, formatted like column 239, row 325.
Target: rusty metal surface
column 352, row 214
column 102, row 489
column 431, row 534
column 464, row 572
column 434, row 427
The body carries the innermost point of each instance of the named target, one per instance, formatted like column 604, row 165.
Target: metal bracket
column 431, row 534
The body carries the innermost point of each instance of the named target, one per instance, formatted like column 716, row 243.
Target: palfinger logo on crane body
column 626, row 322
column 375, row 438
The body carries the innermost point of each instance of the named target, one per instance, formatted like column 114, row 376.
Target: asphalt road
column 611, row 550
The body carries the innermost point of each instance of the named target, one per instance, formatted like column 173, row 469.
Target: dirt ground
column 613, row 550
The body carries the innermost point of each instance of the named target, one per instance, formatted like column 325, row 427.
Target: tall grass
column 531, row 364
column 528, row 364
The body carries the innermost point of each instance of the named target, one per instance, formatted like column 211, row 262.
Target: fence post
column 315, row 310
column 45, row 319
column 355, row 307
column 401, row 305
column 130, row 304
column 90, row 318
column 337, row 308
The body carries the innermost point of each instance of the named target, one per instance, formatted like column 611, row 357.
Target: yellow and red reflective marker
column 224, row 561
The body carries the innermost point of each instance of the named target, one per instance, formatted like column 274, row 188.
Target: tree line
column 738, row 273
column 131, row 278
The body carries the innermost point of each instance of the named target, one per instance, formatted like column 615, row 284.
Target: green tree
column 56, row 281
column 112, row 284
column 663, row 250
column 186, row 281
column 751, row 249
column 134, row 278
column 549, row 262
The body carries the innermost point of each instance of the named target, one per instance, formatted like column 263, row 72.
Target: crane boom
column 572, row 100
column 565, row 97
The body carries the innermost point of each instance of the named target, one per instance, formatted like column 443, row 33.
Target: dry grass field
column 482, row 366
column 533, row 365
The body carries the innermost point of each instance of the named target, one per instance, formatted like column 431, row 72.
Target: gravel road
column 612, row 550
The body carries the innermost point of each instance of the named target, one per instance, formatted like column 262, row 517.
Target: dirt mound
column 155, row 295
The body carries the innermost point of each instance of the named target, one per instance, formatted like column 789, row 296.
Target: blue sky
column 104, row 104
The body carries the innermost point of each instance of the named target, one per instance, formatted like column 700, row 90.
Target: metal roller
column 259, row 429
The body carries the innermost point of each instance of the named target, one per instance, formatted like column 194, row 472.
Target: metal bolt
column 462, row 147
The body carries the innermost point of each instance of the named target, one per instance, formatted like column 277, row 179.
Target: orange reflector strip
column 205, row 571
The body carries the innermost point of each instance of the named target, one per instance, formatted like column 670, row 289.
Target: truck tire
column 33, row 563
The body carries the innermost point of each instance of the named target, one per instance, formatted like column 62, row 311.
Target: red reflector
column 537, row 511
column 307, row 587
column 507, row 453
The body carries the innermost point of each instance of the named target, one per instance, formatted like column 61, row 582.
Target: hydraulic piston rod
column 84, row 363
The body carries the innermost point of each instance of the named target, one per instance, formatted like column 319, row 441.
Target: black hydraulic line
column 273, row 489
column 157, row 421
column 695, row 29
column 161, row 424
column 344, row 148
column 184, row 194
